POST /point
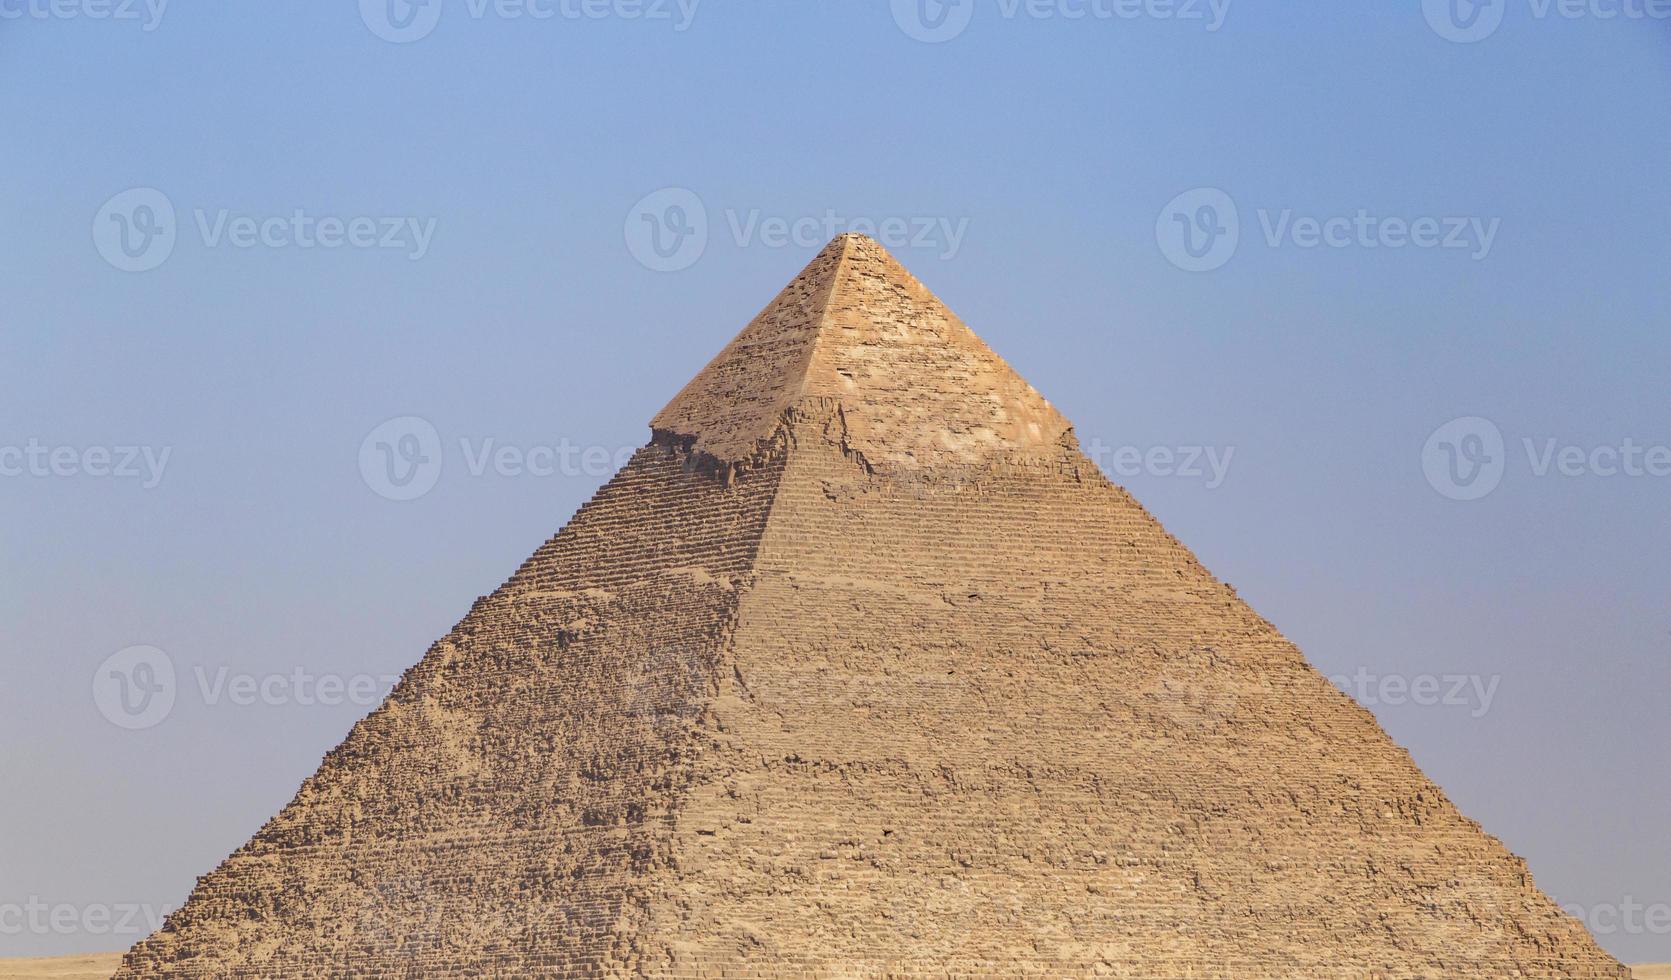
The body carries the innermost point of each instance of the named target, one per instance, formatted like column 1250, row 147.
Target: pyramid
column 861, row 668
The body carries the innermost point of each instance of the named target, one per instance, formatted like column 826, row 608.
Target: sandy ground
column 100, row 966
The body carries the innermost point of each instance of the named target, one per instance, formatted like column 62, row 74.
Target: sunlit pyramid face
column 860, row 668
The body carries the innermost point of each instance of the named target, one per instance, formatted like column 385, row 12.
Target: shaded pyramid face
column 860, row 668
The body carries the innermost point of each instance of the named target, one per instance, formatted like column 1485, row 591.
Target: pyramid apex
column 857, row 239
column 915, row 386
column 857, row 245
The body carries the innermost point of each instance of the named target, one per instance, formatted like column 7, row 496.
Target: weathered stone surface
column 915, row 387
column 860, row 668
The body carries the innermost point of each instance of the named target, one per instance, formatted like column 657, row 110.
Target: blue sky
column 495, row 174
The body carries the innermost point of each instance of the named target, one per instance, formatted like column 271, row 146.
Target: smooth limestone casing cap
column 914, row 384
